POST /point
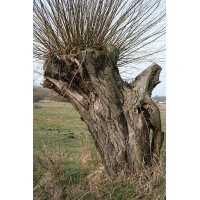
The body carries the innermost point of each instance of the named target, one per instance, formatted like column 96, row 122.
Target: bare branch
column 61, row 25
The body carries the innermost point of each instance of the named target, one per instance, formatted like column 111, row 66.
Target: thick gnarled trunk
column 118, row 115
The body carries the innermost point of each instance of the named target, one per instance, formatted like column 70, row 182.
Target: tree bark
column 119, row 115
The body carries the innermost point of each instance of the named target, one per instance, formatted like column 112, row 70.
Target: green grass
column 54, row 124
column 62, row 160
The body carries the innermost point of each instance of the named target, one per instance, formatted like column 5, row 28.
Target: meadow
column 66, row 162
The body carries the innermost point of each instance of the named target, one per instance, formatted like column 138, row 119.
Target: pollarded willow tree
column 83, row 43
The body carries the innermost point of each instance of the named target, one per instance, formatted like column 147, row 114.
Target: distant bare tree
column 40, row 93
column 158, row 99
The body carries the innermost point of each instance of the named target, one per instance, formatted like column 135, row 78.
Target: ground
column 65, row 157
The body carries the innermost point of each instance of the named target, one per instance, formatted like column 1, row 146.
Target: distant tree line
column 158, row 99
column 40, row 93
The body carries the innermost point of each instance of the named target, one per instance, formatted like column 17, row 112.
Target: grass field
column 64, row 155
